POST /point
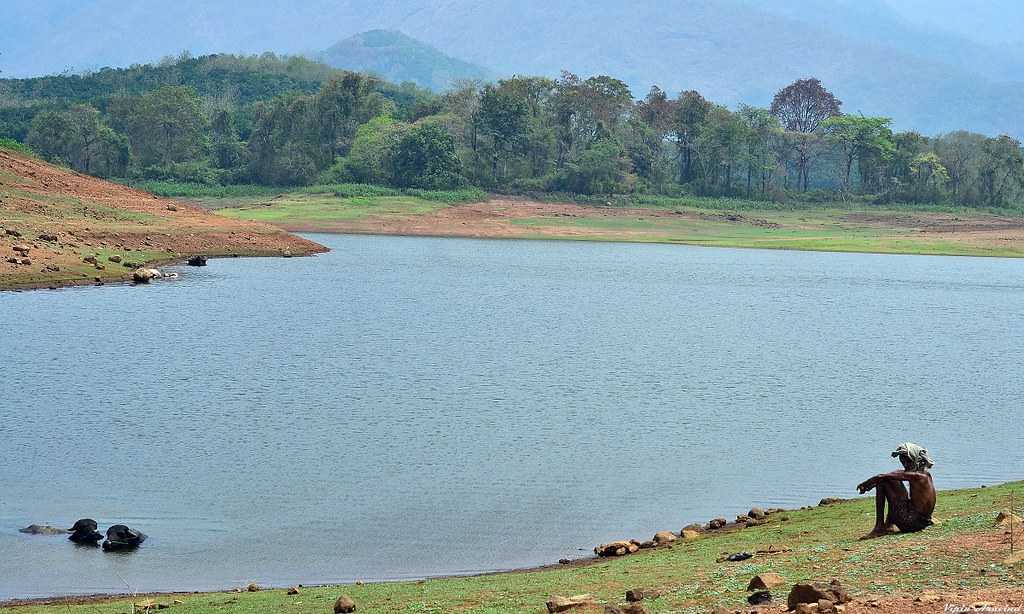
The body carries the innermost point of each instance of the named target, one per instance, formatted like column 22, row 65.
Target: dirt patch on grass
column 63, row 217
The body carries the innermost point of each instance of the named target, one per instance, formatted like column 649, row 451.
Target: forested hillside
column 265, row 120
column 399, row 58
column 733, row 51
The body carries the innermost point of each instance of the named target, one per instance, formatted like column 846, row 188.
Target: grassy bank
column 716, row 222
column 965, row 554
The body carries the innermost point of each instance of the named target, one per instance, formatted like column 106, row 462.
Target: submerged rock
column 42, row 529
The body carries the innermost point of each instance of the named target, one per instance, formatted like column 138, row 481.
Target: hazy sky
column 46, row 36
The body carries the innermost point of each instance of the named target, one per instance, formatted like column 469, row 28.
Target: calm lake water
column 406, row 407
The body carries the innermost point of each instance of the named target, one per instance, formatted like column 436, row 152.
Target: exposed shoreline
column 734, row 530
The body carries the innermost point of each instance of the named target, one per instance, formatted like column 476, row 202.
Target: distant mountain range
column 399, row 58
column 874, row 54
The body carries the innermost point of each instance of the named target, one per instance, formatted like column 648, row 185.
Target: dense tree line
column 571, row 134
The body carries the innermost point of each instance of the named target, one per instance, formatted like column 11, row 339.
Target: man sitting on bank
column 907, row 511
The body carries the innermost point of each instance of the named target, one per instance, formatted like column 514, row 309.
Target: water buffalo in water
column 84, row 532
column 120, row 537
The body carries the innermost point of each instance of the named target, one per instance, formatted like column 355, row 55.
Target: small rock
column 293, row 590
column 617, row 548
column 696, row 526
column 24, row 249
column 633, row 608
column 162, row 606
column 172, row 208
column 253, row 587
column 13, row 260
column 12, row 232
column 115, row 258
column 648, row 544
column 664, row 537
column 805, row 608
column 759, row 598
column 344, row 604
column 639, row 594
column 52, row 238
column 765, row 581
column 739, row 556
column 90, row 260
column 564, row 561
column 717, row 523
column 197, row 261
column 742, row 518
column 286, row 254
column 557, row 603
column 689, row 534
column 1004, row 518
column 830, row 501
column 812, row 592
column 26, row 261
column 825, row 606
column 756, row 513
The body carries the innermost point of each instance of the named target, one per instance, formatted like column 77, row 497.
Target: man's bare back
column 907, row 511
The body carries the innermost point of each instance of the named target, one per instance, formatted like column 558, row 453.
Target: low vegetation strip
column 965, row 558
column 690, row 220
column 58, row 227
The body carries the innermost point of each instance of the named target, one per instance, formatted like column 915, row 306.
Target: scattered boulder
column 1004, row 518
column 26, row 261
column 120, row 538
column 765, row 581
column 742, row 519
column 717, row 523
column 13, row 260
column 759, row 598
column 344, row 604
column 825, row 606
column 689, row 534
column 757, row 513
column 144, row 276
column 90, row 260
column 813, row 592
column 739, row 556
column 172, row 208
column 293, row 590
column 12, row 232
column 695, row 526
column 115, row 258
column 46, row 236
column 557, row 603
column 648, row 544
column 617, row 548
column 830, row 501
column 197, row 261
column 664, row 537
column 21, row 249
column 42, row 529
column 253, row 587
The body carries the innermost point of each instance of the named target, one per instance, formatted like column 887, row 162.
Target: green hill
column 398, row 58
